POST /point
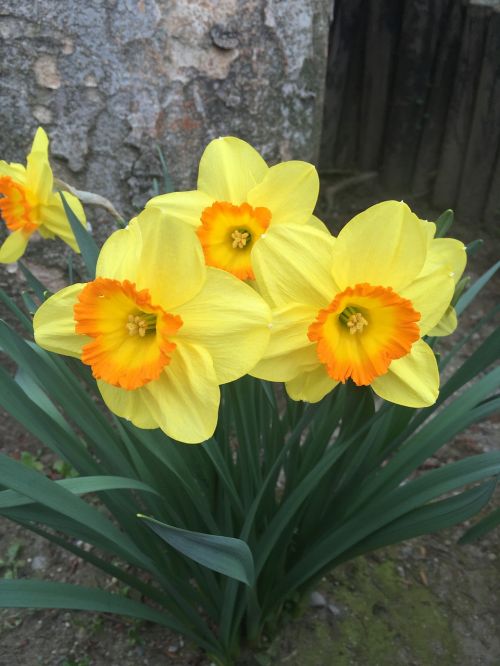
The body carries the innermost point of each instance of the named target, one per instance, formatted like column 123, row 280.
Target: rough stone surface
column 111, row 79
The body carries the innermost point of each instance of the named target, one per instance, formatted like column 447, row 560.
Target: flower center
column 240, row 238
column 131, row 342
column 362, row 331
column 140, row 324
column 15, row 207
column 228, row 233
column 354, row 321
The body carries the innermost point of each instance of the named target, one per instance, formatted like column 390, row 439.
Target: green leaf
column 384, row 509
column 168, row 185
column 482, row 527
column 429, row 518
column 39, row 289
column 16, row 311
column 42, row 490
column 229, row 556
column 86, row 243
column 473, row 291
column 47, row 594
column 474, row 246
column 39, row 397
column 444, row 222
column 78, row 486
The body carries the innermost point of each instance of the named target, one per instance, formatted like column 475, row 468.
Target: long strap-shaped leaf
column 471, row 293
column 481, row 528
column 39, row 488
column 78, row 486
column 426, row 519
column 48, row 594
column 386, row 509
column 85, row 241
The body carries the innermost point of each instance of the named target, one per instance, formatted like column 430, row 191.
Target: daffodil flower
column 159, row 328
column 240, row 200
column 356, row 307
column 28, row 204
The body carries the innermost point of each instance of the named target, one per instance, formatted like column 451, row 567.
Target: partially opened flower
column 159, row 329
column 356, row 307
column 240, row 200
column 28, row 204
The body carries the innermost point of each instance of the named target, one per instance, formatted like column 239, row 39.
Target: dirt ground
column 426, row 602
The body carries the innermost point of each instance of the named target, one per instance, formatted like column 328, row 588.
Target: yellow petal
column 318, row 224
column 54, row 324
column 53, row 218
column 446, row 325
column 385, row 245
column 430, row 295
column 182, row 206
column 412, row 381
column 15, row 171
column 172, row 265
column 290, row 351
column 311, row 386
column 292, row 264
column 448, row 253
column 229, row 168
column 38, row 172
column 230, row 320
column 131, row 405
column 45, row 233
column 289, row 190
column 184, row 401
column 120, row 255
column 13, row 247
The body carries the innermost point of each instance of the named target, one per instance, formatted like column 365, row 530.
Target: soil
column 425, row 602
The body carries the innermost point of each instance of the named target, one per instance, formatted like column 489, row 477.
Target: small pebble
column 39, row 563
column 317, row 600
column 335, row 610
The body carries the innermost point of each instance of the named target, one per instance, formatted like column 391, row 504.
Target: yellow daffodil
column 356, row 307
column 28, row 204
column 240, row 200
column 159, row 328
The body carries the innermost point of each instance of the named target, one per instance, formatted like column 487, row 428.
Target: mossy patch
column 376, row 618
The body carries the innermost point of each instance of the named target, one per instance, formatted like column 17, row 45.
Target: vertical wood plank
column 484, row 136
column 340, row 53
column 429, row 149
column 346, row 144
column 492, row 212
column 419, row 37
column 382, row 37
column 459, row 118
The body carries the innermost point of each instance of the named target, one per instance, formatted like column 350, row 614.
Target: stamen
column 240, row 238
column 356, row 323
column 354, row 320
column 140, row 324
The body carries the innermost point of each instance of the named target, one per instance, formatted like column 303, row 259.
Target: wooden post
column 419, row 37
column 382, row 36
column 434, row 120
column 484, row 136
column 459, row 118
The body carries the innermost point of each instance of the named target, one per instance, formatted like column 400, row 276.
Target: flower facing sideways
column 240, row 200
column 159, row 329
column 356, row 307
column 28, row 204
